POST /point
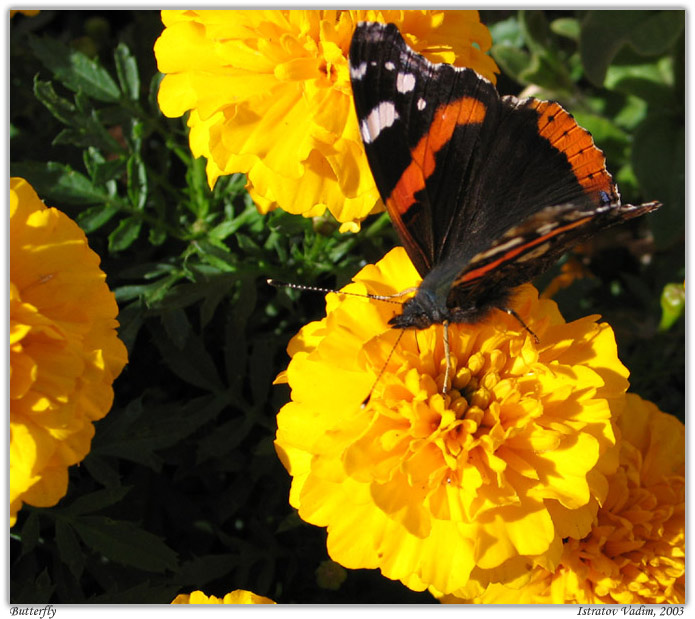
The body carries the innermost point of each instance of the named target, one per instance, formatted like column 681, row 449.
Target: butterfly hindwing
column 528, row 249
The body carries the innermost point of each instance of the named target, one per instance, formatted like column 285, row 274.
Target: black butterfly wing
column 456, row 165
column 485, row 192
column 528, row 249
column 409, row 110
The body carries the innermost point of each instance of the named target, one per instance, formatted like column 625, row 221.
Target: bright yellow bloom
column 269, row 95
column 64, row 350
column 235, row 597
column 435, row 490
column 635, row 552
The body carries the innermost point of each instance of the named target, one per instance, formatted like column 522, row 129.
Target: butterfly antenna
column 381, row 372
column 511, row 312
column 278, row 284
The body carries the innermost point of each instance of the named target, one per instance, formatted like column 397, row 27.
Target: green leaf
column 202, row 570
column 130, row 319
column 125, row 234
column 30, row 533
column 101, row 470
column 137, row 433
column 125, row 543
column 605, row 33
column 60, row 107
column 222, row 259
column 137, row 182
column 225, row 440
column 69, row 548
column 545, row 72
column 127, row 71
column 58, row 182
column 567, row 27
column 512, row 60
column 192, row 363
column 153, row 593
column 176, row 325
column 536, row 30
column 95, row 217
column 185, row 295
column 651, row 82
column 214, row 296
column 95, row 501
column 102, row 170
column 84, row 129
column 229, row 227
column 507, row 32
column 74, row 69
column 658, row 159
column 261, row 368
column 37, row 592
column 672, row 305
column 631, row 114
column 157, row 235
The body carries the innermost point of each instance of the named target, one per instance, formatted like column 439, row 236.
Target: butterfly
column 486, row 192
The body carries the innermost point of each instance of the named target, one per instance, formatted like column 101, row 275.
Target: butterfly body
column 485, row 192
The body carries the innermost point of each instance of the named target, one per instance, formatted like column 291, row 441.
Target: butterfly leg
column 447, row 351
column 511, row 312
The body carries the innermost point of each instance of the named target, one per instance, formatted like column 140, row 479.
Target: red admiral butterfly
column 486, row 192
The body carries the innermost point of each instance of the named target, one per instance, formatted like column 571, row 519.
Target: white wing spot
column 381, row 117
column 357, row 73
column 421, row 104
column 389, row 66
column 405, row 82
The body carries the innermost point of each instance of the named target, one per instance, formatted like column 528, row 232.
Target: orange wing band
column 464, row 111
column 588, row 163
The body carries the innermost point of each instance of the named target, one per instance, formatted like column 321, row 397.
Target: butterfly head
column 420, row 312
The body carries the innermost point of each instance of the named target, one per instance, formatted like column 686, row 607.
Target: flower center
column 329, row 70
column 470, row 413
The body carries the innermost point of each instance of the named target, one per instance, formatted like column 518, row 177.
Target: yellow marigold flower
column 28, row 13
column 269, row 95
column 235, row 597
column 435, row 489
column 571, row 270
column 64, row 350
column 635, row 552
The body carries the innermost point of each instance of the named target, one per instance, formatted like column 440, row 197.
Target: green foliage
column 182, row 489
column 621, row 73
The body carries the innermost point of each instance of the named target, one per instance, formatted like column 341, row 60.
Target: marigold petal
column 64, row 351
column 239, row 596
column 278, row 87
column 500, row 468
column 631, row 549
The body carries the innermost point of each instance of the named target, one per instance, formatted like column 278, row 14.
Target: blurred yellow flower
column 235, row 597
column 635, row 552
column 570, row 271
column 269, row 95
column 437, row 489
column 28, row 13
column 64, row 350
